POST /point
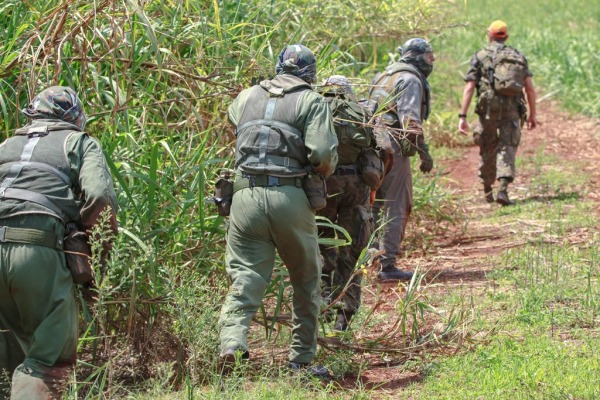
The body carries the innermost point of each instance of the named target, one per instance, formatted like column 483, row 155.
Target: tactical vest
column 350, row 121
column 269, row 139
column 35, row 175
column 383, row 91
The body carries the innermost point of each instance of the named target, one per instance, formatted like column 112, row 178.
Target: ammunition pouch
column 77, row 254
column 371, row 167
column 316, row 191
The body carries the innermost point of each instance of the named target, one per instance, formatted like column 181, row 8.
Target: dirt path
column 460, row 256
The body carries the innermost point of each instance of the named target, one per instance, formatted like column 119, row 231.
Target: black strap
column 249, row 181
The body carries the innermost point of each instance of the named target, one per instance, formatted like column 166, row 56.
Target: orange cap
column 498, row 29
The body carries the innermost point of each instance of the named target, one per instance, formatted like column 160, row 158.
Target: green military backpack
column 356, row 143
column 505, row 68
column 350, row 120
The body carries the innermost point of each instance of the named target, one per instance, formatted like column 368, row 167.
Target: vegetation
column 156, row 78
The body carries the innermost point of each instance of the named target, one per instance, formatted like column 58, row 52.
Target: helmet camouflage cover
column 57, row 102
column 413, row 52
column 299, row 61
column 338, row 84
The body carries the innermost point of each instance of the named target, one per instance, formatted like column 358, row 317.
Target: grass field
column 156, row 78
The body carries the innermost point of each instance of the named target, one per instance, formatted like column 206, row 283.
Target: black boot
column 487, row 191
column 391, row 273
column 343, row 320
column 502, row 197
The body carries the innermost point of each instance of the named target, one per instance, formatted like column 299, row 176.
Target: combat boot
column 502, row 198
column 390, row 274
column 489, row 196
column 343, row 320
column 315, row 371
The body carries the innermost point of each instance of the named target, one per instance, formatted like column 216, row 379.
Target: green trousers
column 38, row 314
column 262, row 220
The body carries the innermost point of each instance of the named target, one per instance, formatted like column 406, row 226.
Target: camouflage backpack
column 504, row 69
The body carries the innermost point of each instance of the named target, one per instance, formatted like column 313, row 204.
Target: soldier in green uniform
column 500, row 116
column 51, row 173
column 347, row 202
column 283, row 129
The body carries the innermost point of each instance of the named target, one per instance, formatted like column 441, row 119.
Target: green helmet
column 57, row 102
column 299, row 61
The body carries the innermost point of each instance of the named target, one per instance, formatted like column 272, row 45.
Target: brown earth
column 459, row 257
column 454, row 258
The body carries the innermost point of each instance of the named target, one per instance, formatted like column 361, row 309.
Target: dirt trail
column 460, row 256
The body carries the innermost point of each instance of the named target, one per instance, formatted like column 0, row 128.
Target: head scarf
column 299, row 61
column 57, row 102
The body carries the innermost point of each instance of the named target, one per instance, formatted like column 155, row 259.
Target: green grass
column 156, row 79
column 523, row 367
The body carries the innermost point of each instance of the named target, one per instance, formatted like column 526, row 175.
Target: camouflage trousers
column 38, row 315
column 347, row 206
column 498, row 139
column 262, row 220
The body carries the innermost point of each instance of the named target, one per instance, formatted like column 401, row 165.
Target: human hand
column 532, row 122
column 463, row 126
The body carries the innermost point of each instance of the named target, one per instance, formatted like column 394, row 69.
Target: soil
column 462, row 256
column 456, row 257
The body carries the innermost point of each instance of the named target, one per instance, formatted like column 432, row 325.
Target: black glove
column 426, row 160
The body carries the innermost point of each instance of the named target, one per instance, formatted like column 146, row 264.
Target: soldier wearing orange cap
column 500, row 73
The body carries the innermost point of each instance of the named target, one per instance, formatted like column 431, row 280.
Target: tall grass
column 156, row 78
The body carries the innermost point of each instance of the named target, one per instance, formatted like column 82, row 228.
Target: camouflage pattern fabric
column 348, row 207
column 413, row 52
column 299, row 61
column 498, row 139
column 57, row 102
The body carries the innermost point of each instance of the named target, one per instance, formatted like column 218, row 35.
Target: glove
column 426, row 160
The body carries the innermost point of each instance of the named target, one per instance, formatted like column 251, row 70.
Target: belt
column 251, row 181
column 346, row 170
column 30, row 236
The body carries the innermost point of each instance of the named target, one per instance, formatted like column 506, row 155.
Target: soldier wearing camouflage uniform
column 499, row 131
column 403, row 92
column 51, row 173
column 283, row 128
column 347, row 203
